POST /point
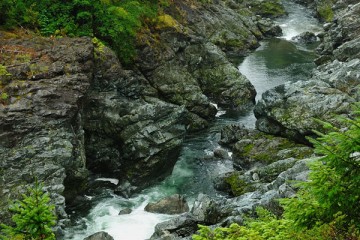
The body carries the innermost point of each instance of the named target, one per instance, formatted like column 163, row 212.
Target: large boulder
column 174, row 204
column 306, row 38
column 292, row 109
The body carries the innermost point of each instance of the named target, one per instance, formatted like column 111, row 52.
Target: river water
column 276, row 61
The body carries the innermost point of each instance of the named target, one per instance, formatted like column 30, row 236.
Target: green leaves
column 114, row 22
column 33, row 216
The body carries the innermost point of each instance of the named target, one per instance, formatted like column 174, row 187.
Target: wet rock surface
column 290, row 109
column 306, row 38
column 99, row 236
column 174, row 204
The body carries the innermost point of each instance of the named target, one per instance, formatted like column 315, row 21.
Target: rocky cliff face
column 68, row 106
column 43, row 88
column 291, row 109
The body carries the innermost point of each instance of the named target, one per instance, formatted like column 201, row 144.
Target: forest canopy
column 115, row 22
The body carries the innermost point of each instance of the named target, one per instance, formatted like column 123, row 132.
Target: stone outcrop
column 291, row 109
column 40, row 120
column 252, row 148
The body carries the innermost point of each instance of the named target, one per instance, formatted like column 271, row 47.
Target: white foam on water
column 299, row 20
column 112, row 180
column 138, row 225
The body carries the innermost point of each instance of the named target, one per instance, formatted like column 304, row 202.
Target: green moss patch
column 267, row 8
column 238, row 185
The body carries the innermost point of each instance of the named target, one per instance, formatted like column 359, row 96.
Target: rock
column 207, row 210
column 177, row 228
column 265, row 8
column 204, row 211
column 344, row 76
column 268, row 28
column 218, row 78
column 174, row 204
column 252, row 148
column 99, row 236
column 306, row 38
column 290, row 109
column 42, row 134
column 348, row 51
column 125, row 211
column 233, row 183
column 221, row 153
column 270, row 172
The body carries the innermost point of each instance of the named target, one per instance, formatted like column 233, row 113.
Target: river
column 276, row 61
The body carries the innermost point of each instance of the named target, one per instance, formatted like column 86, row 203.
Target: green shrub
column 33, row 217
column 114, row 22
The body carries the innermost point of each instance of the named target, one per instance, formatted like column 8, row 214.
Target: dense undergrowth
column 325, row 208
column 116, row 22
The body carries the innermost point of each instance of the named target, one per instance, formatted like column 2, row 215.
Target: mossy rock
column 237, row 184
column 271, row 9
column 262, row 149
column 325, row 11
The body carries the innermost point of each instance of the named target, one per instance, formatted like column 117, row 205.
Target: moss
column 23, row 58
column 36, row 69
column 238, row 186
column 99, row 49
column 166, row 21
column 247, row 149
column 4, row 96
column 268, row 8
column 324, row 10
column 3, row 71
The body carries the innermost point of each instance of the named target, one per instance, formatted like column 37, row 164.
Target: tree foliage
column 326, row 207
column 115, row 22
column 33, row 216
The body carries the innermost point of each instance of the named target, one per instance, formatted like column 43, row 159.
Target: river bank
column 203, row 162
